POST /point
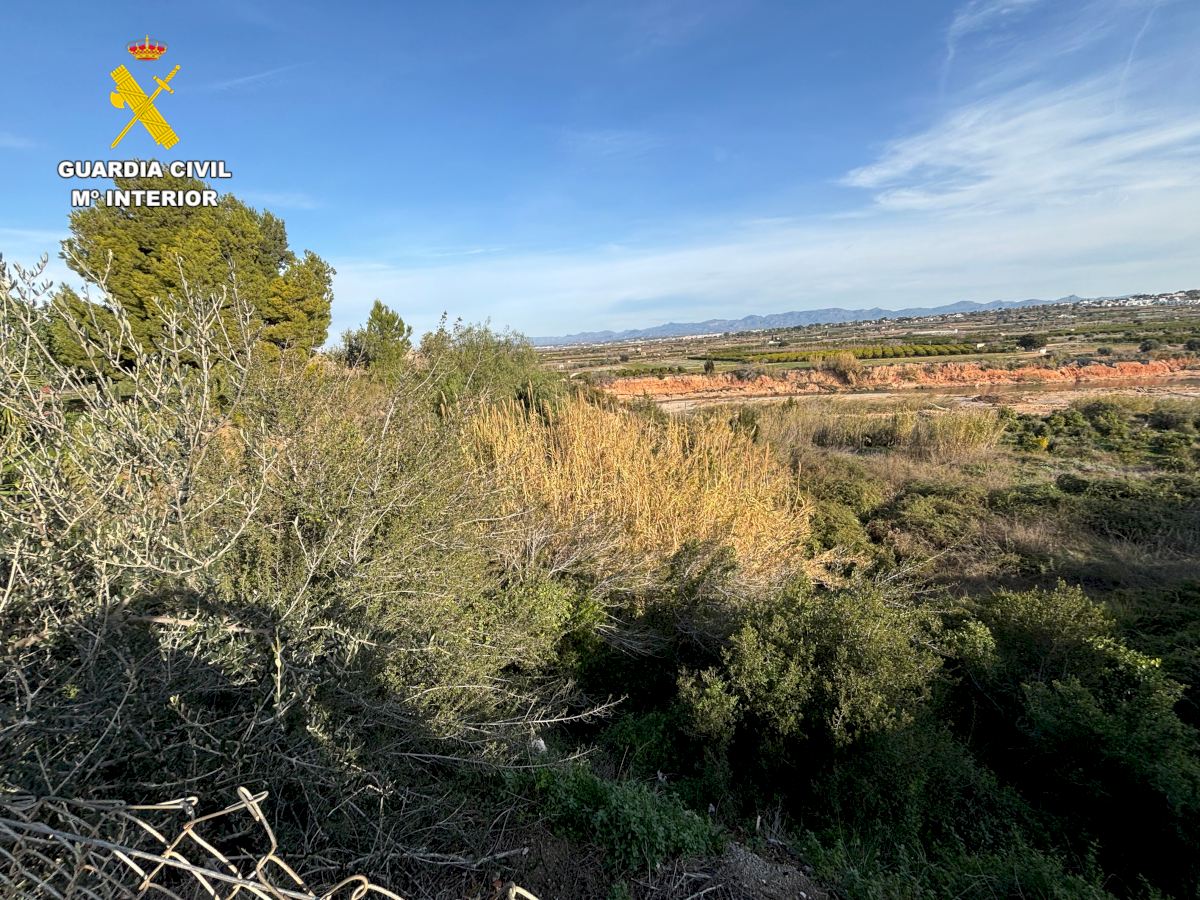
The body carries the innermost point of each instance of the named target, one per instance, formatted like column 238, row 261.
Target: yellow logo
column 129, row 93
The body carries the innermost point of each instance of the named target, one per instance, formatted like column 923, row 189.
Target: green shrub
column 1162, row 434
column 860, row 868
column 1172, row 417
column 635, row 827
column 472, row 362
column 920, row 786
column 273, row 572
column 833, row 666
column 1107, row 417
column 843, row 481
column 1161, row 512
column 1029, row 496
column 1069, row 483
column 1088, row 725
column 1164, row 623
column 710, row 707
column 835, row 526
column 935, row 515
column 646, row 743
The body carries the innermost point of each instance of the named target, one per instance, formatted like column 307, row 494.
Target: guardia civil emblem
column 130, row 94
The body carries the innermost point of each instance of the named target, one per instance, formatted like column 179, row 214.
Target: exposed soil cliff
column 888, row 377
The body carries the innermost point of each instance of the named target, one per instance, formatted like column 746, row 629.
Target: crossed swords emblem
column 129, row 93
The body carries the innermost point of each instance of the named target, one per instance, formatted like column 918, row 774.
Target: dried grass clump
column 934, row 435
column 957, row 436
column 618, row 494
column 843, row 424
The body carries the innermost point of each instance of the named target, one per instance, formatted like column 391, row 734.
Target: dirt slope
column 728, row 386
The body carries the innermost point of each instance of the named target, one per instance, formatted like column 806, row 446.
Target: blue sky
column 564, row 166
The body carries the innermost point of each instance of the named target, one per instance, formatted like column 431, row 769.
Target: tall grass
column 834, row 423
column 955, row 436
column 620, row 494
column 940, row 436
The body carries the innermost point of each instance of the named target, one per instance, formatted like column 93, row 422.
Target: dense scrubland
column 469, row 624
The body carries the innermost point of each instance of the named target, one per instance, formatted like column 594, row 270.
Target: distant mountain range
column 786, row 320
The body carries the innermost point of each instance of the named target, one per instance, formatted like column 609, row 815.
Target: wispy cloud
column 1099, row 248
column 611, row 142
column 253, row 78
column 1028, row 148
column 980, row 16
column 10, row 141
column 1133, row 49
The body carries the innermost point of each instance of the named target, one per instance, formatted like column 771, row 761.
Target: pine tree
column 145, row 254
column 383, row 342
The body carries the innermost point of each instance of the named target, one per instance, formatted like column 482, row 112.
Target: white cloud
column 1032, row 148
column 1146, row 243
column 980, row 16
column 1133, row 48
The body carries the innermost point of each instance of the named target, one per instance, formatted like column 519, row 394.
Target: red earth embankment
column 728, row 386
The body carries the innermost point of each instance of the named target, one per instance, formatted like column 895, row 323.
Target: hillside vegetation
column 469, row 626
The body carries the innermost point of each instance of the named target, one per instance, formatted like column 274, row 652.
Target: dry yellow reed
column 639, row 490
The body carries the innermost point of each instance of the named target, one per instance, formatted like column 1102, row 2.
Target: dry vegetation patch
column 937, row 435
column 622, row 494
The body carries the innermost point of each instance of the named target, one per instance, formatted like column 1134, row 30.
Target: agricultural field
column 1066, row 331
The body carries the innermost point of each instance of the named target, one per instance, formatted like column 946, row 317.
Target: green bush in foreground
column 1076, row 718
column 636, row 827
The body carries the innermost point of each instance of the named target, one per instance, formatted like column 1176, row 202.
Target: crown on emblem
column 150, row 49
